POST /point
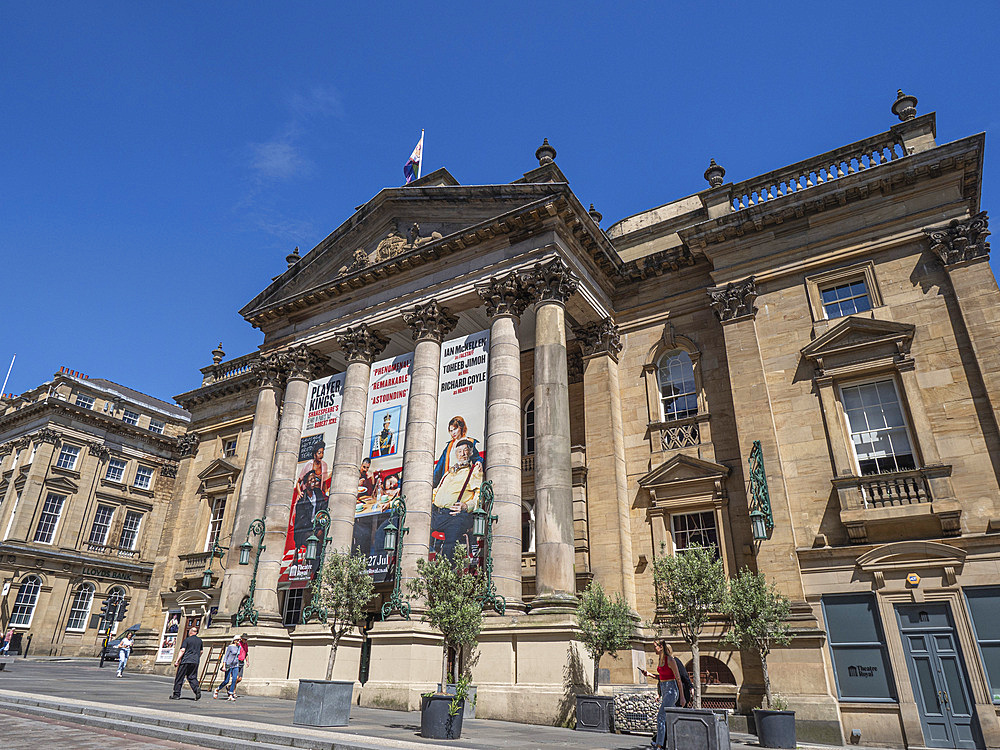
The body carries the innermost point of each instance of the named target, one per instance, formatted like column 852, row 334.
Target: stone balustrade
column 887, row 490
column 855, row 157
column 195, row 564
column 228, row 370
column 109, row 550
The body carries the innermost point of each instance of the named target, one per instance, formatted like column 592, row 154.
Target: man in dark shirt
column 187, row 664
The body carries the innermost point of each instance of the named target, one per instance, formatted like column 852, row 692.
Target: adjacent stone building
column 87, row 472
column 832, row 324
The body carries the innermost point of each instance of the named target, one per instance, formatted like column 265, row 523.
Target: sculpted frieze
column 389, row 247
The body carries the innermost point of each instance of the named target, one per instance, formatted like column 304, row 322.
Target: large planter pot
column 435, row 721
column 324, row 703
column 775, row 728
column 593, row 713
column 470, row 703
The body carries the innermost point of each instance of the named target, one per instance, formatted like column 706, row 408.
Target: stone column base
column 405, row 662
column 266, row 671
column 559, row 602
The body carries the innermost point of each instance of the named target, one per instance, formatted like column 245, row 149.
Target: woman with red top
column 668, row 686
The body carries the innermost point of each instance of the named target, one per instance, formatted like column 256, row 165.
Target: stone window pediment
column 62, row 485
column 221, row 474
column 685, row 481
column 908, row 556
column 859, row 341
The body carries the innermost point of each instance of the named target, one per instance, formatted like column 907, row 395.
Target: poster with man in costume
column 461, row 430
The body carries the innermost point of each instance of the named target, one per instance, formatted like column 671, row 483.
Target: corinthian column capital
column 270, row 369
column 187, row 444
column 361, row 343
column 959, row 241
column 550, row 281
column 505, row 295
column 734, row 300
column 430, row 322
column 304, row 363
column 600, row 337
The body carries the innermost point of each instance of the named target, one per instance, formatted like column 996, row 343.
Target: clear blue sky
column 160, row 159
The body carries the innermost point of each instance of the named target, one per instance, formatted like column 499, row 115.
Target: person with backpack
column 669, row 688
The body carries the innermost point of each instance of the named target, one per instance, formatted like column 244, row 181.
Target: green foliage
column 344, row 588
column 606, row 624
column 758, row 611
column 461, row 694
column 451, row 600
column 690, row 586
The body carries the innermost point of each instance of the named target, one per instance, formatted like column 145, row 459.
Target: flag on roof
column 411, row 170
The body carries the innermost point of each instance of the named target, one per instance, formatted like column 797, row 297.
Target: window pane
column 862, row 672
column 67, row 457
column 102, row 524
column 675, row 375
column 49, row 518
column 78, row 613
column 293, row 606
column 878, row 427
column 87, row 402
column 116, row 470
column 24, row 604
column 156, row 426
column 851, row 619
column 130, row 530
column 130, row 417
column 143, row 477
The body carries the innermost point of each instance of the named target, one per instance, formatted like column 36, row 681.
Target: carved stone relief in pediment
column 389, row 247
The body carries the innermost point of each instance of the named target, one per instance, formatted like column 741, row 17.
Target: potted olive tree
column 759, row 613
column 606, row 626
column 451, row 604
column 341, row 592
column 690, row 587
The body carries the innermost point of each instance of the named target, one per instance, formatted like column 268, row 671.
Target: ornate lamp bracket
column 396, row 600
column 247, row 612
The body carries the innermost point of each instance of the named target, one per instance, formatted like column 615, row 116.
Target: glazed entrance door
column 938, row 677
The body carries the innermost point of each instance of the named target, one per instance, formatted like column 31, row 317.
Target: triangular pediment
column 220, row 474
column 855, row 334
column 61, row 484
column 683, row 468
column 395, row 224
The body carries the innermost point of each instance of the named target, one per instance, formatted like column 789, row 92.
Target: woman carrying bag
column 669, row 688
column 231, row 666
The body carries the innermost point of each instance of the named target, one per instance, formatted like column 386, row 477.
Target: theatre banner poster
column 381, row 474
column 459, row 443
column 311, row 491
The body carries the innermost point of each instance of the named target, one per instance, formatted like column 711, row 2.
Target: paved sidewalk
column 24, row 732
column 146, row 697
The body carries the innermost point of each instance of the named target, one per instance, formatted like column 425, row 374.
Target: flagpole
column 420, row 164
column 4, row 389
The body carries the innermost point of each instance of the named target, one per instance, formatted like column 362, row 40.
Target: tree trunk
column 329, row 664
column 597, row 664
column 696, row 659
column 444, row 668
column 767, row 679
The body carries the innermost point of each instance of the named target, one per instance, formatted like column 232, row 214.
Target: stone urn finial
column 714, row 174
column 545, row 153
column 595, row 214
column 905, row 106
column 293, row 257
column 218, row 354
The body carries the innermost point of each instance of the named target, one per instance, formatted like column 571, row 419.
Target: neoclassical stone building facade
column 839, row 313
column 87, row 471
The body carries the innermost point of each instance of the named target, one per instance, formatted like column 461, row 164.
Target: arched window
column 24, row 604
column 529, row 427
column 80, row 610
column 675, row 377
column 713, row 671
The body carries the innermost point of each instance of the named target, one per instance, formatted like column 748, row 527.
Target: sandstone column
column 301, row 365
column 361, row 344
column 964, row 252
column 256, row 474
column 430, row 323
column 551, row 285
column 607, row 482
column 505, row 300
column 734, row 304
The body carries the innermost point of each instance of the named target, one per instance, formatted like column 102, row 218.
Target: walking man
column 187, row 664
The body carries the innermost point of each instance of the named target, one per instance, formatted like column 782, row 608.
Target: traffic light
column 106, row 609
column 122, row 609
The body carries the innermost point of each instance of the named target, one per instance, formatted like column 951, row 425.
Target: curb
column 209, row 733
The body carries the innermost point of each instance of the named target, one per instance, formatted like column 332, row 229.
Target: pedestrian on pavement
column 6, row 641
column 687, row 687
column 668, row 685
column 125, row 650
column 231, row 666
column 244, row 650
column 187, row 664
